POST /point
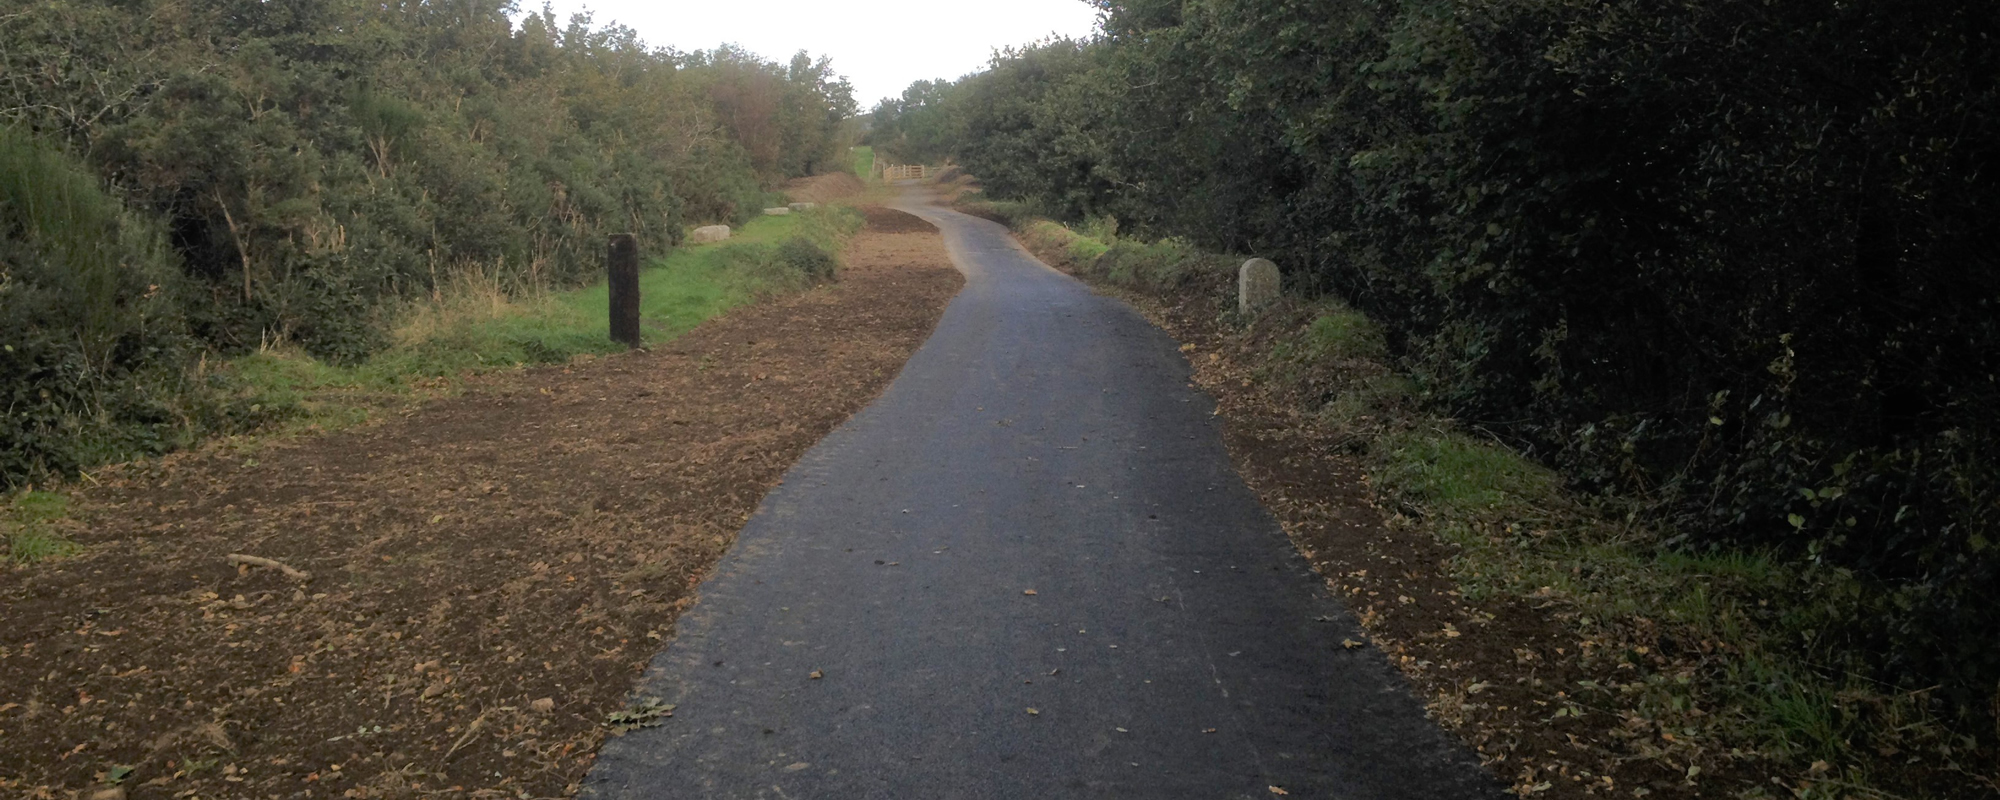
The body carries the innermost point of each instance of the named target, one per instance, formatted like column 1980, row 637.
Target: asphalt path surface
column 1027, row 571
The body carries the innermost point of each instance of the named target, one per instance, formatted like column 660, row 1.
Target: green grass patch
column 1075, row 250
column 697, row 282
column 1748, row 673
column 27, row 523
column 864, row 163
column 1084, row 249
column 476, row 326
column 1095, row 251
column 1345, row 333
column 1455, row 474
column 1164, row 265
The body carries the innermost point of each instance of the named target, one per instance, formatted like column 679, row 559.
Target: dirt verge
column 824, row 188
column 487, row 574
column 1499, row 673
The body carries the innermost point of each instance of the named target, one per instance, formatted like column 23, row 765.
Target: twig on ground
column 469, row 731
column 255, row 561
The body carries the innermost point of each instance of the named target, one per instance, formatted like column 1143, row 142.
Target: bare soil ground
column 487, row 574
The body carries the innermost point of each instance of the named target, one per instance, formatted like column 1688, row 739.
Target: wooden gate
column 901, row 172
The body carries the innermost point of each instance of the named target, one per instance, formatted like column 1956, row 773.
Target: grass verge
column 1582, row 649
column 864, row 163
column 28, row 526
column 475, row 325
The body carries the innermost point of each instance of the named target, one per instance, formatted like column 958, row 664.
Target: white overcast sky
column 930, row 39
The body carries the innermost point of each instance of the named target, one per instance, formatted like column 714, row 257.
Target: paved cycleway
column 1027, row 571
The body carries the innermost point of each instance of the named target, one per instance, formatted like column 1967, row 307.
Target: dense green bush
column 803, row 256
column 317, row 158
column 1725, row 258
column 315, row 164
column 92, row 344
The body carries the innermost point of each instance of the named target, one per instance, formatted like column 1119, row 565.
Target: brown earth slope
column 824, row 188
column 487, row 575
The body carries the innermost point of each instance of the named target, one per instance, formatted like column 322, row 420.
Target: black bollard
column 623, row 264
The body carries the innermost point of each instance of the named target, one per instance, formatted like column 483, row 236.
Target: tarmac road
column 1027, row 571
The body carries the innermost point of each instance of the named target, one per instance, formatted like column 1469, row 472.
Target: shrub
column 1344, row 333
column 314, row 166
column 802, row 255
column 92, row 347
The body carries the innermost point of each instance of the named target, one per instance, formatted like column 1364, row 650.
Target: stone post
column 622, row 262
column 1257, row 285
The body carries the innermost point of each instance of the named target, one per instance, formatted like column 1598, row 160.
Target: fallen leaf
column 1350, row 644
column 1276, row 790
column 1028, row 591
column 1034, row 712
column 816, row 675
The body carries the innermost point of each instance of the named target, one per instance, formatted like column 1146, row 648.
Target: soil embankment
column 824, row 188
